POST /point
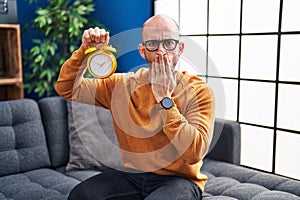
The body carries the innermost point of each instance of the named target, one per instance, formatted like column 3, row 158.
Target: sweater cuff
column 169, row 115
column 78, row 56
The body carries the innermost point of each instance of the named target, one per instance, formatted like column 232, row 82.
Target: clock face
column 102, row 65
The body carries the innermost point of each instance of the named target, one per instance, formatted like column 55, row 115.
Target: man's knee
column 76, row 193
column 84, row 190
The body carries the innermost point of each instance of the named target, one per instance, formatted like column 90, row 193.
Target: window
column 248, row 52
column 259, row 56
column 224, row 52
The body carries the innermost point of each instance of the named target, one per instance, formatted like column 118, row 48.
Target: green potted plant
column 60, row 23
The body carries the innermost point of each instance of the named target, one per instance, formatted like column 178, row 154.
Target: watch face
column 167, row 102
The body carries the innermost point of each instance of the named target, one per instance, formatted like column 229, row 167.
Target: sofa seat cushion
column 36, row 184
column 228, row 181
column 79, row 175
column 43, row 184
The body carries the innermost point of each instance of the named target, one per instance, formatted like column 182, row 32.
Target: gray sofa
column 34, row 151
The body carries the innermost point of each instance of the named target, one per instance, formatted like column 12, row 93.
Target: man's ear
column 141, row 50
column 181, row 48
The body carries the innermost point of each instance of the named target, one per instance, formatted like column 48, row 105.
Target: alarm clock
column 101, row 63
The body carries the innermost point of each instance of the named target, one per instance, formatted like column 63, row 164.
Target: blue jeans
column 113, row 184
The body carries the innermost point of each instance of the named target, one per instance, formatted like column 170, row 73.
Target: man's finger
column 161, row 60
column 86, row 36
column 102, row 35
column 158, row 67
column 97, row 35
column 107, row 37
column 167, row 65
column 92, row 34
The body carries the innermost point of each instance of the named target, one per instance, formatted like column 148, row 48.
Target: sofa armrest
column 226, row 142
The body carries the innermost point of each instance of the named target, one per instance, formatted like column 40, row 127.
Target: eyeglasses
column 153, row 45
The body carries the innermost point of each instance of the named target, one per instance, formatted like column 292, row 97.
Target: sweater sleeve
column 72, row 85
column 191, row 133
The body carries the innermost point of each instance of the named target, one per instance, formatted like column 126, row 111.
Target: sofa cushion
column 79, row 175
column 36, row 185
column 237, row 182
column 55, row 120
column 22, row 145
column 92, row 138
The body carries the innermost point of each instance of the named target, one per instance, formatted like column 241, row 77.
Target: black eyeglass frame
column 160, row 41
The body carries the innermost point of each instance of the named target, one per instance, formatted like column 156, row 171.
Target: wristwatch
column 167, row 103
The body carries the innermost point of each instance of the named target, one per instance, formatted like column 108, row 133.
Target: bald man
column 163, row 118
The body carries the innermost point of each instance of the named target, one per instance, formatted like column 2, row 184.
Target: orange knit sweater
column 167, row 142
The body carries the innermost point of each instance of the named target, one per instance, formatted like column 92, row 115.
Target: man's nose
column 161, row 47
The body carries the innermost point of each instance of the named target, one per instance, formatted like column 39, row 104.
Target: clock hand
column 100, row 65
